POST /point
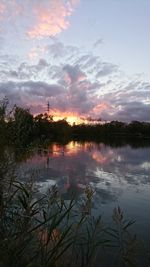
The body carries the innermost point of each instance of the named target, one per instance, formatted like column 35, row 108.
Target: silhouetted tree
column 23, row 123
column 3, row 125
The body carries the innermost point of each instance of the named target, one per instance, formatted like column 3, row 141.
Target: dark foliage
column 20, row 127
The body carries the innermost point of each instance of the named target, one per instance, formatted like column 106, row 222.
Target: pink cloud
column 44, row 18
column 52, row 18
column 11, row 9
column 2, row 9
column 36, row 53
column 100, row 107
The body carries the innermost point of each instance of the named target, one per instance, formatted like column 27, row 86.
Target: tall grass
column 43, row 230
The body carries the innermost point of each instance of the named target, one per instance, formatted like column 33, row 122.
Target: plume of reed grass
column 42, row 230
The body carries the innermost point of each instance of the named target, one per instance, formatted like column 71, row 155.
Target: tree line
column 18, row 126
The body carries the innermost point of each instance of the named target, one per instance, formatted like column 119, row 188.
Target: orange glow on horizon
column 70, row 117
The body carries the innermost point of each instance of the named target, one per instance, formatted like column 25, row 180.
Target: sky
column 87, row 58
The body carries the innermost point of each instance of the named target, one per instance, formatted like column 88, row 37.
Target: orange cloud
column 47, row 18
column 51, row 19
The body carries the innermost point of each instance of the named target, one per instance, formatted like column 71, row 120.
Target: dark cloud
column 41, row 88
column 58, row 50
column 98, row 42
column 42, row 64
column 91, row 63
column 134, row 111
column 23, row 71
column 76, row 81
column 106, row 69
column 74, row 73
column 1, row 42
column 131, row 102
column 29, row 94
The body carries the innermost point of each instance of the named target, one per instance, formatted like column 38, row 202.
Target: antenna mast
column 48, row 106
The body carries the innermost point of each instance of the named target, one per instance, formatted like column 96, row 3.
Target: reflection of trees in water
column 7, row 172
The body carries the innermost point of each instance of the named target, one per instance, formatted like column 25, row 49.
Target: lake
column 119, row 176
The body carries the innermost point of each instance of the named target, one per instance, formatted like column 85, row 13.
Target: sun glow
column 71, row 118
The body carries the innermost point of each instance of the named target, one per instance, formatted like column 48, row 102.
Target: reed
column 42, row 229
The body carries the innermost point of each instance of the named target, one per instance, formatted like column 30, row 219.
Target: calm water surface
column 120, row 176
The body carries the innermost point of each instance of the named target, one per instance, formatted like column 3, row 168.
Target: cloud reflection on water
column 109, row 170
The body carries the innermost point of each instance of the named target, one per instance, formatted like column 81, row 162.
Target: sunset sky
column 88, row 58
